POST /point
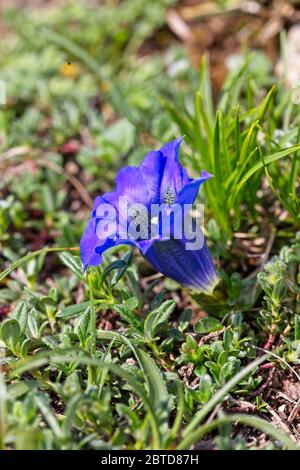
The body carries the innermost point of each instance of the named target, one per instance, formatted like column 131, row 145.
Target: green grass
column 114, row 358
column 235, row 141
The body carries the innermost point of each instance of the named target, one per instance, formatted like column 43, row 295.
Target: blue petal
column 97, row 202
column 159, row 174
column 130, row 183
column 191, row 268
column 152, row 169
column 110, row 243
column 189, row 192
column 88, row 245
column 94, row 243
column 174, row 177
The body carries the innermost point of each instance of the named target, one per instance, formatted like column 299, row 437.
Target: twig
column 281, row 423
column 270, row 341
column 241, row 405
column 264, row 385
column 214, row 413
column 280, row 359
column 295, row 411
column 213, row 334
column 285, row 396
column 72, row 179
column 14, row 152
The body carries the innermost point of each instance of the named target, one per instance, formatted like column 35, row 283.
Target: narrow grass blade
column 49, row 417
column 295, row 168
column 252, row 421
column 43, row 359
column 219, row 396
column 260, row 165
column 30, row 256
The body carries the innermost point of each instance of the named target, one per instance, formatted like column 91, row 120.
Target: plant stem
column 32, row 255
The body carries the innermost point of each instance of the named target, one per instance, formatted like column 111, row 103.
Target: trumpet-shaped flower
column 147, row 196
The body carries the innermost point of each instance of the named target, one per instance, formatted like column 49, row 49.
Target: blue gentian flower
column 159, row 181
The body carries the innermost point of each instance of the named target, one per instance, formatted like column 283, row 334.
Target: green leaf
column 25, row 346
column 119, row 266
column 217, row 167
column 156, row 386
column 82, row 326
column 129, row 316
column 73, row 263
column 42, row 359
column 204, row 390
column 52, row 341
column 260, row 165
column 216, row 398
column 120, row 272
column 297, row 327
column 201, row 113
column 253, row 421
column 17, row 389
column 72, row 310
column 48, row 415
column 157, row 318
column 10, row 333
column 230, row 368
column 121, row 134
column 265, row 104
column 32, row 325
column 20, row 314
column 47, row 202
column 208, row 325
column 157, row 390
